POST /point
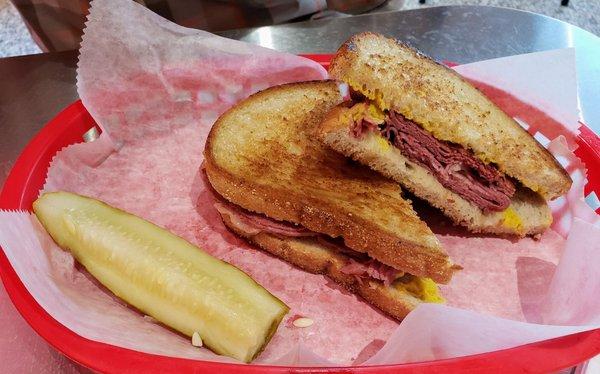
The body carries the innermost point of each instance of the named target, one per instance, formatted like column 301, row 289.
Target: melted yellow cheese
column 511, row 219
column 363, row 110
column 370, row 112
column 375, row 96
column 422, row 288
column 382, row 143
column 376, row 114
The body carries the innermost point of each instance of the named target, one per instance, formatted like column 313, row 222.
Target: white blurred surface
column 15, row 39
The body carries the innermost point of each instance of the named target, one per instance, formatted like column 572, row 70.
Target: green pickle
column 163, row 275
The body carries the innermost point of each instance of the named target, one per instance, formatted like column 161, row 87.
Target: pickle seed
column 303, row 322
column 196, row 339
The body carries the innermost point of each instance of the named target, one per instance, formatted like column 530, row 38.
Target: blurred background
column 36, row 26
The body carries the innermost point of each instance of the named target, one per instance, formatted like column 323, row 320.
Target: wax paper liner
column 157, row 88
column 521, row 75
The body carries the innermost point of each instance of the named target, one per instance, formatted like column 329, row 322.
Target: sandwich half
column 424, row 126
column 285, row 191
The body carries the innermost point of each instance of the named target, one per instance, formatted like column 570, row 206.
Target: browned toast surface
column 263, row 155
column 399, row 78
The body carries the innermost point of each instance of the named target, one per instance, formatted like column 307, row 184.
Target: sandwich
column 282, row 189
column 424, row 126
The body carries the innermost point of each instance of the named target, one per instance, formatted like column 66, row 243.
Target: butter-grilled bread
column 263, row 155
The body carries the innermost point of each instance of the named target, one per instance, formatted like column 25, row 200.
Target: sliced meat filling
column 253, row 223
column 455, row 167
column 358, row 264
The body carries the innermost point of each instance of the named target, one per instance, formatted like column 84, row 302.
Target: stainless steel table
column 34, row 88
column 459, row 34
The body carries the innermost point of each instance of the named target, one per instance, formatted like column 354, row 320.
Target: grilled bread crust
column 263, row 155
column 528, row 214
column 399, row 78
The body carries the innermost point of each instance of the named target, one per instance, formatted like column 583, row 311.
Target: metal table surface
column 34, row 88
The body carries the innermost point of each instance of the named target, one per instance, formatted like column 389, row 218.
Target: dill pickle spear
column 163, row 275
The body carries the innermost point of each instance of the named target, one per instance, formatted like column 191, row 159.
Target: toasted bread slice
column 528, row 213
column 263, row 155
column 310, row 255
column 398, row 78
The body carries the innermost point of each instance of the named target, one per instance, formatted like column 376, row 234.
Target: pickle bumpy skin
column 163, row 275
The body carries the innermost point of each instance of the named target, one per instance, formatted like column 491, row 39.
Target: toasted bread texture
column 310, row 255
column 528, row 213
column 263, row 155
column 399, row 78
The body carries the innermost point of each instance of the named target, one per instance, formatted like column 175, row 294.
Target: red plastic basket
column 27, row 177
